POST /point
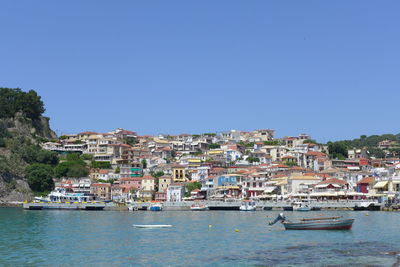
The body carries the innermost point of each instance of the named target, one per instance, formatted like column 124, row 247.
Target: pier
column 267, row 205
column 64, row 205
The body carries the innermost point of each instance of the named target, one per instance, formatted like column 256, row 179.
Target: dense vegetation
column 192, row 186
column 13, row 101
column 21, row 156
column 339, row 149
column 73, row 166
column 101, row 165
column 214, row 146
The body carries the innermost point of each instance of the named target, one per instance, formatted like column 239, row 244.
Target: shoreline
column 116, row 207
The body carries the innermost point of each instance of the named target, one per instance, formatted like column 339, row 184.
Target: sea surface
column 202, row 238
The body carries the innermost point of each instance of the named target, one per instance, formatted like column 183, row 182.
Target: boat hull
column 302, row 209
column 152, row 225
column 320, row 225
column 155, row 208
column 198, row 208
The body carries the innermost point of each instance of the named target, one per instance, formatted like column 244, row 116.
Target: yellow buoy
column 236, row 230
column 209, row 226
column 366, row 214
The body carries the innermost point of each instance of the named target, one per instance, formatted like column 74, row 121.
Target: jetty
column 64, row 205
column 266, row 205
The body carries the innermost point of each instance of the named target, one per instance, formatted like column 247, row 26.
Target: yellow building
column 178, row 173
column 193, row 163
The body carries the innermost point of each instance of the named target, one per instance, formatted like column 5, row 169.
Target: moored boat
column 327, row 223
column 300, row 206
column 198, row 207
column 155, row 207
column 152, row 225
column 248, row 206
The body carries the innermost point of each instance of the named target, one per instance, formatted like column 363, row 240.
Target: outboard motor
column 280, row 217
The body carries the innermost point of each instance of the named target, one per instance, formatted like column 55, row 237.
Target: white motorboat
column 198, row 207
column 248, row 206
column 152, row 225
column 301, row 206
column 60, row 194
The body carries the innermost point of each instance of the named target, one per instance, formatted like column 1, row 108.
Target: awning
column 267, row 196
column 300, row 195
column 326, row 185
column 355, row 194
column 269, row 189
column 381, row 184
column 325, row 194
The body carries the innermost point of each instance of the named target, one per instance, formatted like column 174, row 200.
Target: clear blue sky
column 327, row 68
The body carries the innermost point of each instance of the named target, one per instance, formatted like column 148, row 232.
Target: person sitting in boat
column 280, row 217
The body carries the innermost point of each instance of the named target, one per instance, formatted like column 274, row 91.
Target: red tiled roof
column 333, row 181
column 131, row 179
column 288, row 157
column 87, row 133
column 315, row 153
column 101, row 184
column 367, row 180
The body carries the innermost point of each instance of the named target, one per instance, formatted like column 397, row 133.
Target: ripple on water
column 47, row 238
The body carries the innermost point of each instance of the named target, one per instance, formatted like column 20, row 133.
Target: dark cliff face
column 13, row 185
column 31, row 128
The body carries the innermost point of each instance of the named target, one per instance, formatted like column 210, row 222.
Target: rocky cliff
column 17, row 132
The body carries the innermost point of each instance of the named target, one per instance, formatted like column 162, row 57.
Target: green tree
column 40, row 177
column 2, row 142
column 192, row 186
column 74, row 166
column 87, row 156
column 13, row 100
column 158, row 174
column 252, row 159
column 214, row 146
column 337, row 150
column 77, row 171
column 271, row 143
column 101, row 164
column 144, row 164
column 130, row 140
column 290, row 163
column 310, row 141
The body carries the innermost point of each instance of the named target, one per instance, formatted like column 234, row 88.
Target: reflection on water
column 104, row 238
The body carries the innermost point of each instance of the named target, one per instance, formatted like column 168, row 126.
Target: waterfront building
column 102, row 191
column 302, row 184
column 175, row 192
column 365, row 184
column 148, row 188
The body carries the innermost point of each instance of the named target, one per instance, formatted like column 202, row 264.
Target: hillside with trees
column 339, row 149
column 24, row 165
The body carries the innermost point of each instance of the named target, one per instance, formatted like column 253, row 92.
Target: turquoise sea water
column 107, row 238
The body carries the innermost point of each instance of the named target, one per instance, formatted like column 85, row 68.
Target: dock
column 64, row 205
column 266, row 205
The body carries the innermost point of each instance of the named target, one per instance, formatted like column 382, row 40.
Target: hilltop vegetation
column 339, row 149
column 15, row 100
column 22, row 161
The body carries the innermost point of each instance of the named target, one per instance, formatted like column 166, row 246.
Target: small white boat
column 197, row 207
column 301, row 206
column 152, row 225
column 248, row 206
